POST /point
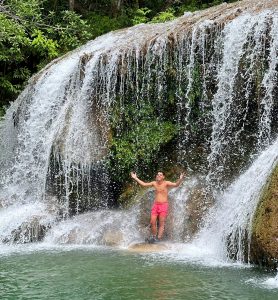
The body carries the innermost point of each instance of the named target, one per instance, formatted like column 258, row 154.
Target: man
column 160, row 206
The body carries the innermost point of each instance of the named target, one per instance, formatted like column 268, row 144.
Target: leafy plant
column 140, row 16
column 164, row 16
column 101, row 24
column 30, row 38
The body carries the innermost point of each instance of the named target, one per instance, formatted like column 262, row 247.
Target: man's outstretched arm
column 134, row 176
column 178, row 182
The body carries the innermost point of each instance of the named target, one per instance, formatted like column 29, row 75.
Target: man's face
column 159, row 176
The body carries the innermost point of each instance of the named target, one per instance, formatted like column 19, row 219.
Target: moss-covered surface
column 264, row 244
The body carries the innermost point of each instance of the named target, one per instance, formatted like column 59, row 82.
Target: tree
column 71, row 5
column 31, row 36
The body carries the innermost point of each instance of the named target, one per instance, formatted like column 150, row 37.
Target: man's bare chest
column 161, row 188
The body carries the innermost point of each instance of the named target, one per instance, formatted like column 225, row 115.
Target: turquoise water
column 109, row 274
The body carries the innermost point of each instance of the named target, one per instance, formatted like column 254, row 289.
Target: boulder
column 198, row 203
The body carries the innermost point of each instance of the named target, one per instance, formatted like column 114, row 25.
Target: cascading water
column 244, row 39
column 210, row 77
column 268, row 101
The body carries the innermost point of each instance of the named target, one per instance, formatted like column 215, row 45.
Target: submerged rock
column 264, row 243
column 145, row 247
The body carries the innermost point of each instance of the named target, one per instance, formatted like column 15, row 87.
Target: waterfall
column 203, row 88
column 268, row 80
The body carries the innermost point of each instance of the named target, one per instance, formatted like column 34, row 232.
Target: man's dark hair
column 160, row 172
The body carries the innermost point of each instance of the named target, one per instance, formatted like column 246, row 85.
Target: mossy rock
column 264, row 242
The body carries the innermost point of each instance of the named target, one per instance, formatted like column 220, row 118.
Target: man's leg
column 161, row 227
column 153, row 224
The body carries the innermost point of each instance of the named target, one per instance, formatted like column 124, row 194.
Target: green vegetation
column 31, row 36
column 164, row 16
column 140, row 146
column 140, row 131
column 2, row 112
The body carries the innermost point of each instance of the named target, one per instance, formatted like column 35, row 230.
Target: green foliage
column 101, row 24
column 27, row 12
column 193, row 5
column 164, row 16
column 33, row 32
column 43, row 45
column 140, row 133
column 196, row 90
column 30, row 38
column 68, row 29
column 139, row 146
column 2, row 112
column 124, row 116
column 140, row 16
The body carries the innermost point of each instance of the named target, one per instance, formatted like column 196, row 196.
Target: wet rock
column 71, row 237
column 28, row 232
column 264, row 242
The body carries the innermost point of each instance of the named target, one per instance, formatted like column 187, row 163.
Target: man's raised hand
column 133, row 175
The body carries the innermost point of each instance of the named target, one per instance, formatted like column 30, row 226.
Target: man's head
column 160, row 176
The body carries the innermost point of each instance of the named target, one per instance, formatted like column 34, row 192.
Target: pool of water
column 37, row 272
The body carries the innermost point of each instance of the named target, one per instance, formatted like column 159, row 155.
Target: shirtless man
column 160, row 206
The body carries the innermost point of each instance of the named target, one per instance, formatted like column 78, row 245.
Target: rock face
column 264, row 243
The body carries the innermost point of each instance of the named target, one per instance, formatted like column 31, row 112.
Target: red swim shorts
column 160, row 209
